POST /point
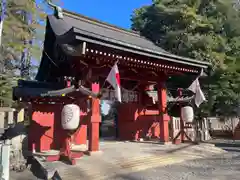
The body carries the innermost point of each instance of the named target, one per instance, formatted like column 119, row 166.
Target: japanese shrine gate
column 80, row 51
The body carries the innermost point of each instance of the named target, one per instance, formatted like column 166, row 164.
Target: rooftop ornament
column 58, row 12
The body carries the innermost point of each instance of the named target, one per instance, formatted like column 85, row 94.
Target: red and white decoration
column 114, row 79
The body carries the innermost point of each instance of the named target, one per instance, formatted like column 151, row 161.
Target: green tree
column 22, row 31
column 206, row 30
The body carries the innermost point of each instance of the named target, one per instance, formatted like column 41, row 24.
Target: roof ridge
column 101, row 23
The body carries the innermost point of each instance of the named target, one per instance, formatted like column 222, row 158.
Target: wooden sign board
column 127, row 96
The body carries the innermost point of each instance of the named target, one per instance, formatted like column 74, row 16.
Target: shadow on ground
column 171, row 149
column 180, row 148
column 125, row 177
column 227, row 144
column 36, row 169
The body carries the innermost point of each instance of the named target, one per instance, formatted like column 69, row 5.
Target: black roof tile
column 108, row 31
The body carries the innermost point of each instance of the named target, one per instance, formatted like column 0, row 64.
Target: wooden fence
column 203, row 129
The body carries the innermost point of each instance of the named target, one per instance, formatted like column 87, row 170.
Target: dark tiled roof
column 83, row 23
column 74, row 27
column 123, row 37
column 34, row 89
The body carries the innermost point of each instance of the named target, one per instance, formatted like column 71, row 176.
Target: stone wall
column 228, row 128
column 236, row 135
column 18, row 154
column 14, row 133
column 17, row 136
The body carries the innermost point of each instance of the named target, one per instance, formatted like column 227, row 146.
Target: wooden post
column 181, row 120
column 94, row 122
column 181, row 133
column 164, row 118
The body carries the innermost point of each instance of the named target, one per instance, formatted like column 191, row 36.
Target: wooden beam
column 128, row 75
column 137, row 61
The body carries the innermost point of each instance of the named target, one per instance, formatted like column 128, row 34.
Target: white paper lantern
column 187, row 114
column 70, row 117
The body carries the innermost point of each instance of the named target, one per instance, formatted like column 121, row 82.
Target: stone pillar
column 93, row 145
column 206, row 130
column 164, row 118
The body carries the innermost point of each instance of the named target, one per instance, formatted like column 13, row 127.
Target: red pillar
column 164, row 118
column 80, row 136
column 94, row 122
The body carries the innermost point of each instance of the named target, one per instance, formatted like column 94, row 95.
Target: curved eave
column 111, row 43
column 30, row 92
column 68, row 33
column 95, row 37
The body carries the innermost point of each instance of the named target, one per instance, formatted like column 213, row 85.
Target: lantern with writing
column 187, row 114
column 70, row 117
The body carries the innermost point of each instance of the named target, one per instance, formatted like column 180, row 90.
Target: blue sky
column 117, row 12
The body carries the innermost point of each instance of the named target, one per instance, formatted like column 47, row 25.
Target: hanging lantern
column 70, row 117
column 187, row 114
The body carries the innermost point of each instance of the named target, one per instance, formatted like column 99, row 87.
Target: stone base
column 165, row 143
column 156, row 141
column 45, row 169
column 93, row 153
column 81, row 147
column 177, row 141
column 236, row 135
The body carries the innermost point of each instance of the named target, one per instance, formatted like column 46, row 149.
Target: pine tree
column 22, row 32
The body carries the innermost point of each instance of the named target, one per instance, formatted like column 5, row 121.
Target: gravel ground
column 25, row 175
column 219, row 167
column 223, row 167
